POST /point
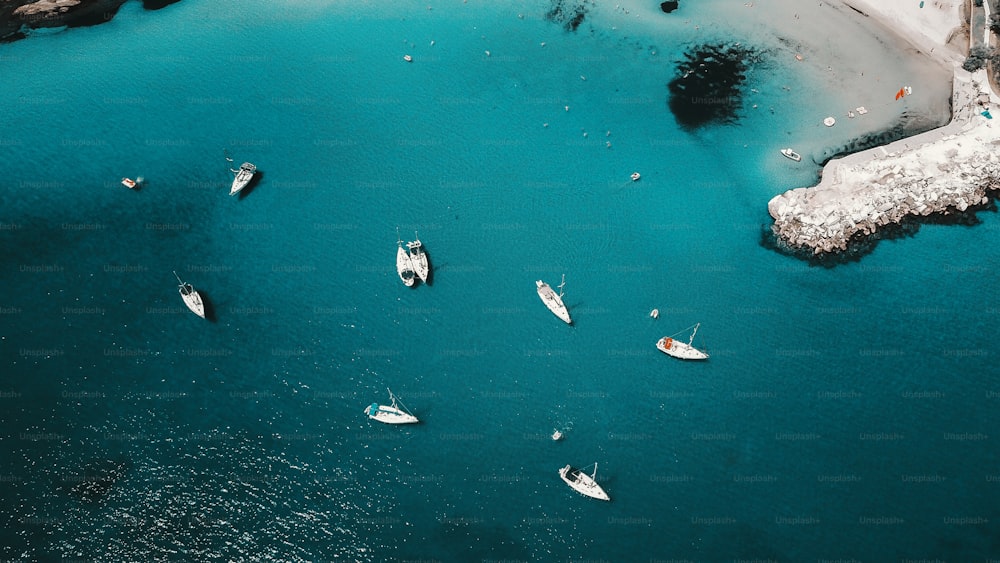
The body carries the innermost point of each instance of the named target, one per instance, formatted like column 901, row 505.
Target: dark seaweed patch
column 568, row 13
column 707, row 88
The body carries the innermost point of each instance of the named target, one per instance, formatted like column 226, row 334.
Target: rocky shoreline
column 18, row 16
column 953, row 169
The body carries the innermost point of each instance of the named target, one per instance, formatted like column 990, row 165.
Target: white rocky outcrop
column 943, row 171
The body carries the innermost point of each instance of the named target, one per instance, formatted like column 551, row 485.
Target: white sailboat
column 418, row 258
column 583, row 483
column 391, row 414
column 404, row 266
column 553, row 300
column 243, row 175
column 685, row 351
column 191, row 297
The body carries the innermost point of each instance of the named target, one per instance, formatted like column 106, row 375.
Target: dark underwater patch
column 708, row 86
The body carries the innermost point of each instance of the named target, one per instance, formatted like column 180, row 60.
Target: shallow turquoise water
column 845, row 411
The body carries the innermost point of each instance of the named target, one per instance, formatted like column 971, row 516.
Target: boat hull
column 404, row 267
column 792, row 155
column 680, row 350
column 243, row 177
column 390, row 415
column 582, row 483
column 193, row 301
column 418, row 259
column 553, row 301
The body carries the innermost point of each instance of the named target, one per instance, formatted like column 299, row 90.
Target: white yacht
column 391, row 414
column 685, row 351
column 243, row 177
column 404, row 266
column 418, row 258
column 789, row 153
column 583, row 483
column 191, row 297
column 553, row 300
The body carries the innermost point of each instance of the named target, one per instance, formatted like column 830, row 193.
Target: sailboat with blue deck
column 391, row 414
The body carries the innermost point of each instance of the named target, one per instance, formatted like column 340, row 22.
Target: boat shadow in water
column 430, row 270
column 257, row 177
column 206, row 301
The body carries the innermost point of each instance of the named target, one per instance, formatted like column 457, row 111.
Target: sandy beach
column 934, row 28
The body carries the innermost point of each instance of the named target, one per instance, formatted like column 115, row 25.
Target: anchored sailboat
column 684, row 351
column 553, row 300
column 243, row 175
column 191, row 297
column 404, row 266
column 418, row 258
column 391, row 414
column 583, row 483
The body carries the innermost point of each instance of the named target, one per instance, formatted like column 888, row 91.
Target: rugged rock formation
column 829, row 222
column 18, row 14
column 943, row 172
column 669, row 6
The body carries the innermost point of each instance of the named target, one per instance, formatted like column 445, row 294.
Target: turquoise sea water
column 846, row 411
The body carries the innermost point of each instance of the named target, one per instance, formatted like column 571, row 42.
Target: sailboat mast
column 694, row 332
column 594, row 476
column 178, row 278
column 561, row 286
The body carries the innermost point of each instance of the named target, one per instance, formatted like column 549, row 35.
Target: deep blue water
column 846, row 412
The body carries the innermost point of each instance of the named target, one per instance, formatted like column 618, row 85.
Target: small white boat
column 655, row 313
column 408, row 58
column 553, row 300
column 243, row 177
column 685, row 351
column 789, row 153
column 191, row 297
column 391, row 414
column 418, row 258
column 635, row 176
column 130, row 183
column 583, row 483
column 829, row 121
column 557, row 435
